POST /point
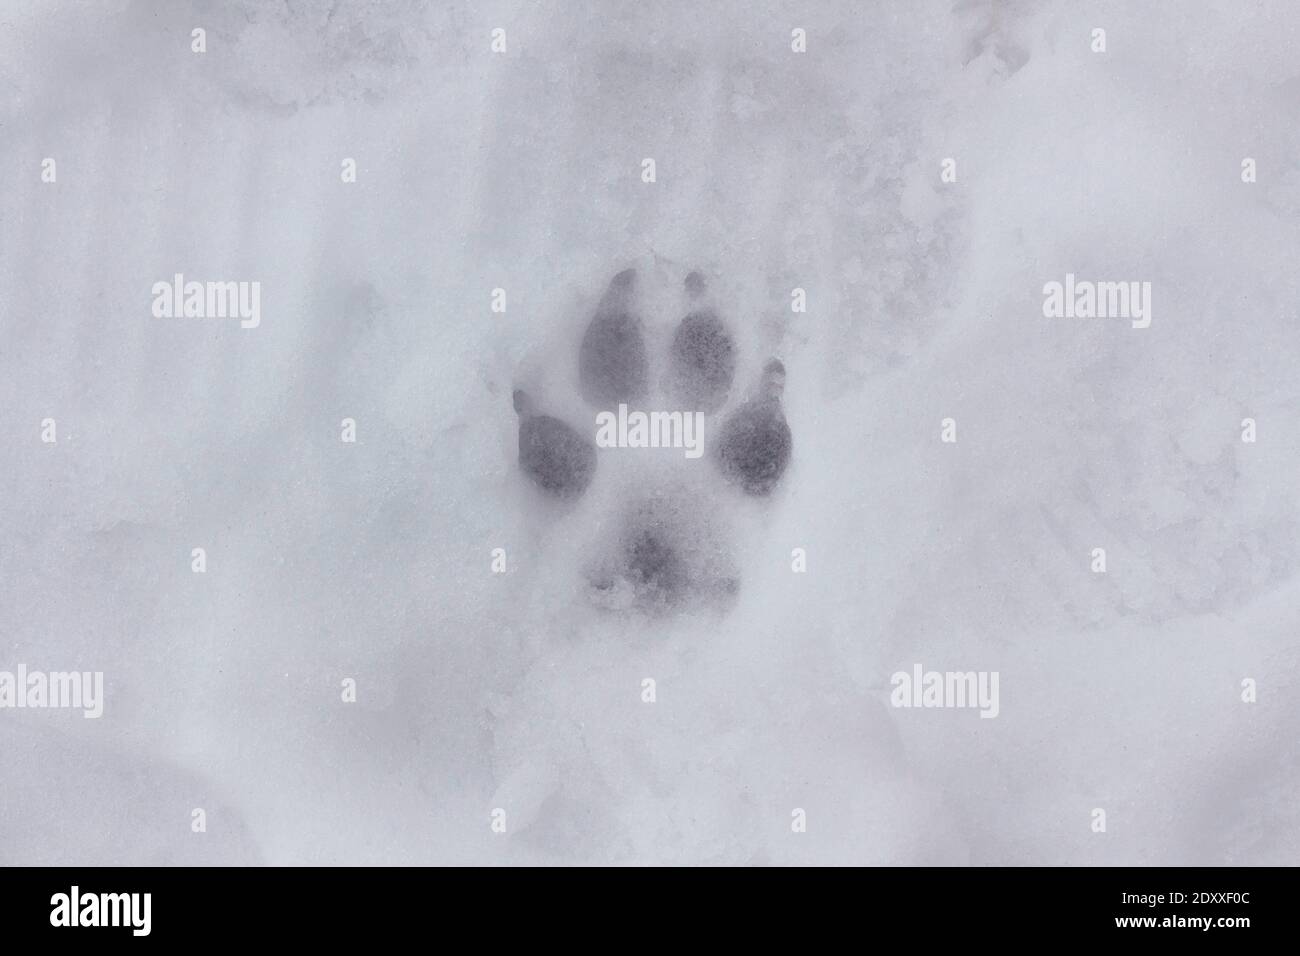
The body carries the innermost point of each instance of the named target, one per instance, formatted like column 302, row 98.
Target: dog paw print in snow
column 667, row 396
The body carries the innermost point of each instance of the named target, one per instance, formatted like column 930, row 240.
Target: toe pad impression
column 555, row 456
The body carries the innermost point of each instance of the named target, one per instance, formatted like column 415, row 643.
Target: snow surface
column 775, row 170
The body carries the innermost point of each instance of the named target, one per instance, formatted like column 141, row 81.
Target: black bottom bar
column 335, row 906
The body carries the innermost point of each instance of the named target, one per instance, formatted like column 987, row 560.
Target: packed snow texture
column 775, row 170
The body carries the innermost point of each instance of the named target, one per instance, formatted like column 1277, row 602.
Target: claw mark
column 695, row 285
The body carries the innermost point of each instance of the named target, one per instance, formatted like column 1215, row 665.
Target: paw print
column 667, row 544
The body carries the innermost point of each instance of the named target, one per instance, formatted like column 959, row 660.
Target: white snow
column 775, row 170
